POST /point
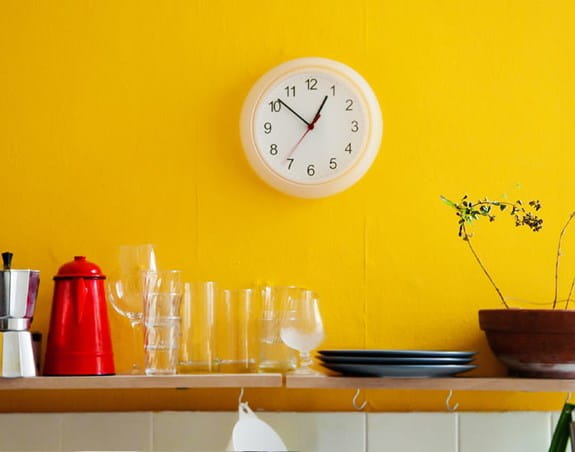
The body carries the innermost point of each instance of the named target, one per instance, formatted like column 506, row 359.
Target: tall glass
column 274, row 354
column 198, row 341
column 163, row 295
column 126, row 294
column 236, row 327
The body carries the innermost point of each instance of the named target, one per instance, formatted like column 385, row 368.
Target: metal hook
column 448, row 399
column 241, row 396
column 568, row 397
column 354, row 401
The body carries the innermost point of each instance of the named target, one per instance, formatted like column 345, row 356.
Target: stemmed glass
column 125, row 289
column 302, row 328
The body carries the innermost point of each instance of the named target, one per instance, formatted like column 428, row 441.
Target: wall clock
column 311, row 127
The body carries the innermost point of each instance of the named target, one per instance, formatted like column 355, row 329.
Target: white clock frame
column 365, row 156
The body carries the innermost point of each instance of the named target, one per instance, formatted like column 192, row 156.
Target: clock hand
column 292, row 110
column 317, row 115
column 310, row 127
column 298, row 142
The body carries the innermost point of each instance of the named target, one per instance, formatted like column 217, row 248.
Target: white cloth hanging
column 252, row 434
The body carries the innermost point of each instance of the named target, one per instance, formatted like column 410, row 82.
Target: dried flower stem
column 467, row 239
column 468, row 212
column 570, row 293
column 557, row 264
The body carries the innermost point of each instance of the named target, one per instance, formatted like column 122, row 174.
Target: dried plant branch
column 557, row 264
column 468, row 212
column 570, row 293
column 467, row 239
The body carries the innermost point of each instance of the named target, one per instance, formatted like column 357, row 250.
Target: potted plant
column 536, row 343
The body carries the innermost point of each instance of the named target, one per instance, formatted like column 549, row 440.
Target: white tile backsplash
column 504, row 432
column 193, row 431
column 305, row 432
column 412, row 432
column 107, row 431
column 30, row 432
column 319, row 432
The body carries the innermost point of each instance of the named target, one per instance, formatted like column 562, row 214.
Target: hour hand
column 293, row 111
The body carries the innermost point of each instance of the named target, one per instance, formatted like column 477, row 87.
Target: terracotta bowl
column 538, row 343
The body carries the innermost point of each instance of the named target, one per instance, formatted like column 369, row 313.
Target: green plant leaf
column 561, row 434
column 448, row 202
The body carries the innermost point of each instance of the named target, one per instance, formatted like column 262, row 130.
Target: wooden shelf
column 431, row 384
column 289, row 381
column 146, row 382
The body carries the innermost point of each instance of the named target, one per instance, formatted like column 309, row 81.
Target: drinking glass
column 273, row 354
column 163, row 292
column 125, row 290
column 236, row 331
column 302, row 328
column 197, row 346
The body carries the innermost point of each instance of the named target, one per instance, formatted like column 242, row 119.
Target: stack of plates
column 397, row 363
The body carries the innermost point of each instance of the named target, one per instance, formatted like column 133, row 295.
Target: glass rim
column 162, row 271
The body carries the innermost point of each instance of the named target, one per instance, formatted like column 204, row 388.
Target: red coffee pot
column 79, row 341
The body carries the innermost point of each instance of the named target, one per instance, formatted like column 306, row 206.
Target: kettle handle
column 80, row 295
column 7, row 260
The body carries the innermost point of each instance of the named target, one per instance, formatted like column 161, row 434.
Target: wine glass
column 302, row 328
column 125, row 289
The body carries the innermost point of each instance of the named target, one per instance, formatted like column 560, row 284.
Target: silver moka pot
column 18, row 292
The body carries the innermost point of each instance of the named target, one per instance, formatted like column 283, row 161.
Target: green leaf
column 561, row 434
column 448, row 202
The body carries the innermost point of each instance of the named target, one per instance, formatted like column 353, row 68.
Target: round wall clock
column 311, row 127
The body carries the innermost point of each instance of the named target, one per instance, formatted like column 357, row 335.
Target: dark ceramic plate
column 392, row 360
column 375, row 370
column 399, row 353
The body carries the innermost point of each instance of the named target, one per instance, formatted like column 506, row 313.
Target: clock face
column 301, row 145
column 311, row 127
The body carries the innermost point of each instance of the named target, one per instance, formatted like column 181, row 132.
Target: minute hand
column 293, row 111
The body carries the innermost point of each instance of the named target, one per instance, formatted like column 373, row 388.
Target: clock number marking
column 310, row 170
column 332, row 163
column 275, row 106
column 290, row 91
column 283, row 99
column 311, row 84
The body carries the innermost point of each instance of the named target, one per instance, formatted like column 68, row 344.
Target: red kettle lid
column 79, row 268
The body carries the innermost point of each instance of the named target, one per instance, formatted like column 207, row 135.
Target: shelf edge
column 144, row 382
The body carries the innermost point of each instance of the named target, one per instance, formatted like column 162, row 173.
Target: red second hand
column 309, row 128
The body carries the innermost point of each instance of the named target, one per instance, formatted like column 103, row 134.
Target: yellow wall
column 119, row 124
